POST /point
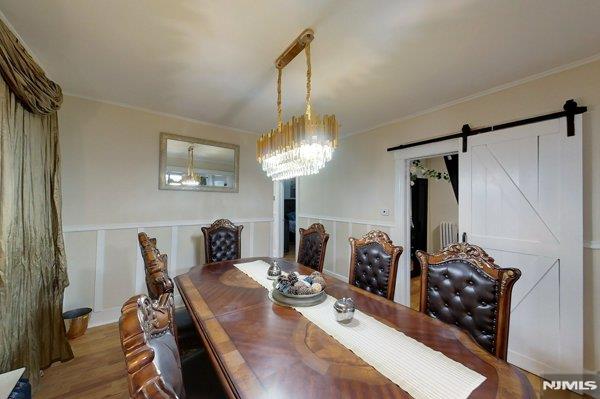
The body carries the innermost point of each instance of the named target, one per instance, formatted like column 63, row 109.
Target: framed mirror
column 193, row 164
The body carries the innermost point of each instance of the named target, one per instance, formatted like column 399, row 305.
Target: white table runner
column 416, row 368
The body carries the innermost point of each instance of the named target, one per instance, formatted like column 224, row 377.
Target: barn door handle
column 464, row 236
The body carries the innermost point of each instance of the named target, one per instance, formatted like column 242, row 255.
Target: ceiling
column 209, row 153
column 373, row 61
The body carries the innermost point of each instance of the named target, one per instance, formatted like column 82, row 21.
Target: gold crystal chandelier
column 304, row 144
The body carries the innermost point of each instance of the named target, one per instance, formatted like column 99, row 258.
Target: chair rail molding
column 148, row 225
column 347, row 220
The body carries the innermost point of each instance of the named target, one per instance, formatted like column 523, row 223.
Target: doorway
column 434, row 211
column 289, row 219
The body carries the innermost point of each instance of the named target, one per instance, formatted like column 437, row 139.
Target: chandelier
column 304, row 144
column 190, row 178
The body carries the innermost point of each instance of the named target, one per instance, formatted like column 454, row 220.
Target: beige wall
column 110, row 177
column 359, row 181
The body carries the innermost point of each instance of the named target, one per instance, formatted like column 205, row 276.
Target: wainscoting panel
column 341, row 249
column 261, row 239
column 119, row 275
column 337, row 257
column 190, row 248
column 329, row 256
column 105, row 266
column 81, row 265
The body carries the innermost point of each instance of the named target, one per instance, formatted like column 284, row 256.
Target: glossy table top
column 263, row 350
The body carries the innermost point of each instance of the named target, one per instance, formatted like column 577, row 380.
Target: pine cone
column 293, row 278
column 319, row 280
column 304, row 290
column 316, row 288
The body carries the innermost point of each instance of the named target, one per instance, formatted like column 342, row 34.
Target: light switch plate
column 385, row 212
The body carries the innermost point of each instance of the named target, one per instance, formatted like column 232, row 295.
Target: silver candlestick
column 274, row 271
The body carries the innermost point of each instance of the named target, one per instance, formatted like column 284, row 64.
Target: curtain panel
column 32, row 256
column 33, row 272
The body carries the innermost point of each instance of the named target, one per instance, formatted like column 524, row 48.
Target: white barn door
column 521, row 200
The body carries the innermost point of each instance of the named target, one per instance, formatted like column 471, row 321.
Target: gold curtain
column 26, row 79
column 32, row 257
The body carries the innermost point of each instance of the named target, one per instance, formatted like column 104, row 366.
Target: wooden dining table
column 260, row 349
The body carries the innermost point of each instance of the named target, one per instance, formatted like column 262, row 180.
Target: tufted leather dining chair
column 222, row 241
column 461, row 285
column 373, row 263
column 313, row 243
column 158, row 283
column 154, row 368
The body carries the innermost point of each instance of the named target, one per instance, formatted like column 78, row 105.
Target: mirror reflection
column 188, row 163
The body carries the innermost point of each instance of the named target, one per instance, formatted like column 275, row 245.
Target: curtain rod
column 570, row 109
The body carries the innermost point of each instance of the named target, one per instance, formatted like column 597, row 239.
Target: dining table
column 260, row 349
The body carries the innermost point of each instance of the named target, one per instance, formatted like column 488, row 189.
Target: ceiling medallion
column 304, row 144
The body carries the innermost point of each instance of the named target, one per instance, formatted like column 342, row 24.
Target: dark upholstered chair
column 373, row 263
column 222, row 241
column 158, row 282
column 313, row 243
column 154, row 368
column 461, row 285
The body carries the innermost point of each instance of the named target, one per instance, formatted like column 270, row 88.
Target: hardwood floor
column 415, row 293
column 98, row 370
column 290, row 254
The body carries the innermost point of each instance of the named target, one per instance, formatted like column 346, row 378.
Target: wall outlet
column 385, row 212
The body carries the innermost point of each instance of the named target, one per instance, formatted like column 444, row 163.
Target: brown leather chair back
column 373, row 263
column 461, row 285
column 222, row 241
column 150, row 348
column 155, row 267
column 313, row 243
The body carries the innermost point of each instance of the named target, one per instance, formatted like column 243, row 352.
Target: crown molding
column 483, row 93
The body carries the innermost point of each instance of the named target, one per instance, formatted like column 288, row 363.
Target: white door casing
column 400, row 234
column 520, row 198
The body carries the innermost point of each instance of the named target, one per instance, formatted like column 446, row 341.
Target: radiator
column 448, row 234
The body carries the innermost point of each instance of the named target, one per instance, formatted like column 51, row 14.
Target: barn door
column 521, row 200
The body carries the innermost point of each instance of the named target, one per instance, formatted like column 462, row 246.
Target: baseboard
column 112, row 315
column 338, row 276
column 106, row 316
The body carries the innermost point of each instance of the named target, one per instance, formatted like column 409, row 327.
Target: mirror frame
column 162, row 168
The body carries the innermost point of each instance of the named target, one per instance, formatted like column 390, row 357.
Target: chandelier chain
column 279, row 110
column 308, row 80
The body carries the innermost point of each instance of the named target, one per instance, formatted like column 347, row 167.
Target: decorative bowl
column 293, row 295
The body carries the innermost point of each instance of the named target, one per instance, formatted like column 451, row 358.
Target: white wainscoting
column 337, row 255
column 105, row 265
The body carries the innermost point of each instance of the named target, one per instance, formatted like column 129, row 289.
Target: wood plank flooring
column 98, row 370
